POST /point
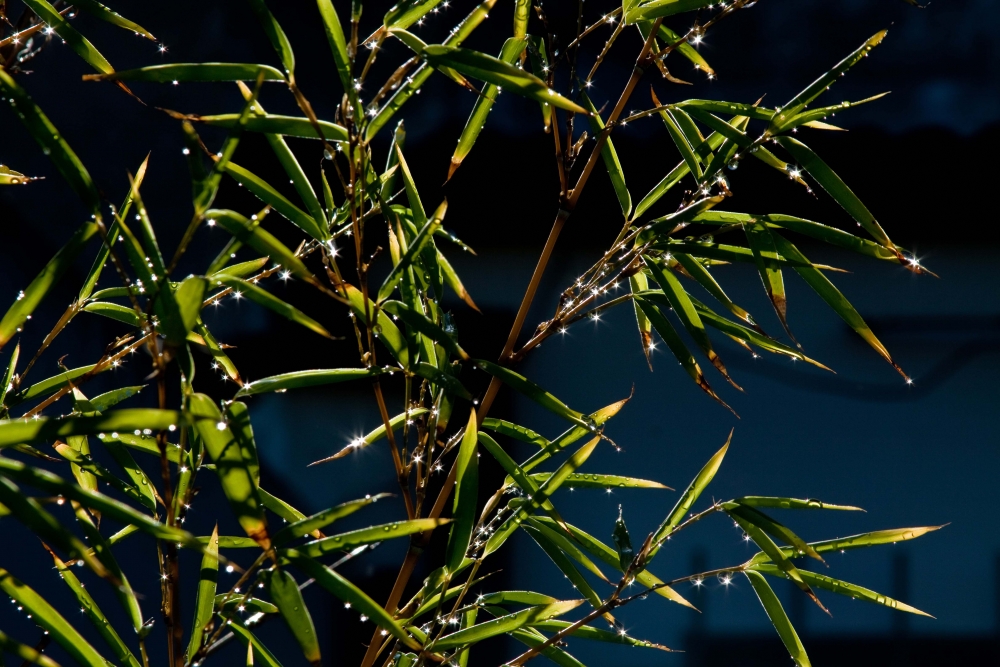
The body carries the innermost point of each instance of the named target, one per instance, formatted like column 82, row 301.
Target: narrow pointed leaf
column 610, row 157
column 778, row 618
column 525, row 386
column 466, row 496
column 503, row 625
column 192, row 72
column 267, row 194
column 264, row 298
column 265, row 243
column 80, row 45
column 204, row 602
column 286, row 595
column 292, row 126
column 370, row 535
column 310, row 378
column 312, row 524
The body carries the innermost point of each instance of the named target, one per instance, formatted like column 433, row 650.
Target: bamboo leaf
column 423, row 324
column 19, row 431
column 231, row 467
column 310, row 378
column 10, row 177
column 453, row 281
column 26, row 653
column 594, row 481
column 504, row 624
column 525, row 386
column 793, row 503
column 407, row 12
column 254, row 645
column 574, row 433
column 610, row 157
column 412, row 84
column 204, row 602
column 416, row 244
column 835, row 187
column 598, row 634
column 385, row 330
column 311, row 525
column 466, row 495
column 565, row 566
column 192, row 73
column 45, row 615
column 286, row 595
column 817, row 87
column 659, row 8
column 829, row 293
column 762, row 245
column 52, row 144
column 291, row 126
column 369, row 535
column 855, row 542
column 348, row 592
column 778, row 618
column 515, row 431
column 689, row 497
column 509, row 54
column 262, row 241
column 106, row 14
column 771, row 527
column 8, row 378
column 683, row 307
column 267, row 194
column 274, row 32
column 374, row 436
column 697, row 270
column 80, row 45
column 262, row 297
column 684, row 48
column 492, row 70
column 338, row 45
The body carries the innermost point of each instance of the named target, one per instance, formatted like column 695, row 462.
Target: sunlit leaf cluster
column 76, row 462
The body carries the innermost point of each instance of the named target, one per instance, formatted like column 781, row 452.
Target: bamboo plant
column 89, row 475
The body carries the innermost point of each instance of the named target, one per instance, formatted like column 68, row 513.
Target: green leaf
column 50, row 385
column 291, row 126
column 659, row 8
column 267, row 194
column 231, row 466
column 411, row 85
column 465, row 500
column 516, row 431
column 311, row 525
column 106, row 14
column 504, row 624
column 386, row 331
column 348, row 592
column 610, row 157
column 676, row 345
column 684, row 48
column 230, row 602
column 262, row 297
column 453, row 281
column 778, row 618
column 525, row 386
column 19, row 431
column 407, row 12
column 10, row 177
column 204, row 602
column 46, row 527
column 254, row 645
column 698, row 272
column 191, row 73
column 855, row 542
column 274, row 32
column 817, row 87
column 87, row 472
column 683, row 307
column 106, row 506
column 771, row 527
column 53, row 145
column 762, row 245
column 30, row 298
column 574, row 433
column 286, row 595
column 835, row 187
column 689, row 497
column 374, row 436
column 265, row 243
column 338, row 45
column 565, row 565
column 80, row 45
column 594, row 481
column 606, row 554
column 8, row 377
column 680, row 141
column 668, row 223
column 622, row 542
column 26, row 653
column 829, row 293
column 792, row 503
column 310, row 378
column 442, row 379
column 107, row 400
column 598, row 634
column 369, row 535
column 842, row 588
column 45, row 615
column 509, row 54
column 423, row 324
column 415, row 246
column 492, row 70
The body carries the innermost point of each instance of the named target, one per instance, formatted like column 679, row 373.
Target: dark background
column 923, row 159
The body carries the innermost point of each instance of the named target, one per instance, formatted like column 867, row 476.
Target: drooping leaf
column 274, row 32
column 312, row 524
column 262, row 297
column 260, row 240
column 873, row 538
column 369, row 535
column 192, row 72
column 333, row 582
column 80, row 45
column 106, row 14
column 504, row 624
column 525, row 386
column 46, row 616
column 493, row 70
column 610, row 157
column 19, row 431
column 290, row 126
column 285, row 593
column 231, row 467
column 204, row 602
column 270, row 196
column 689, row 497
column 779, row 618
